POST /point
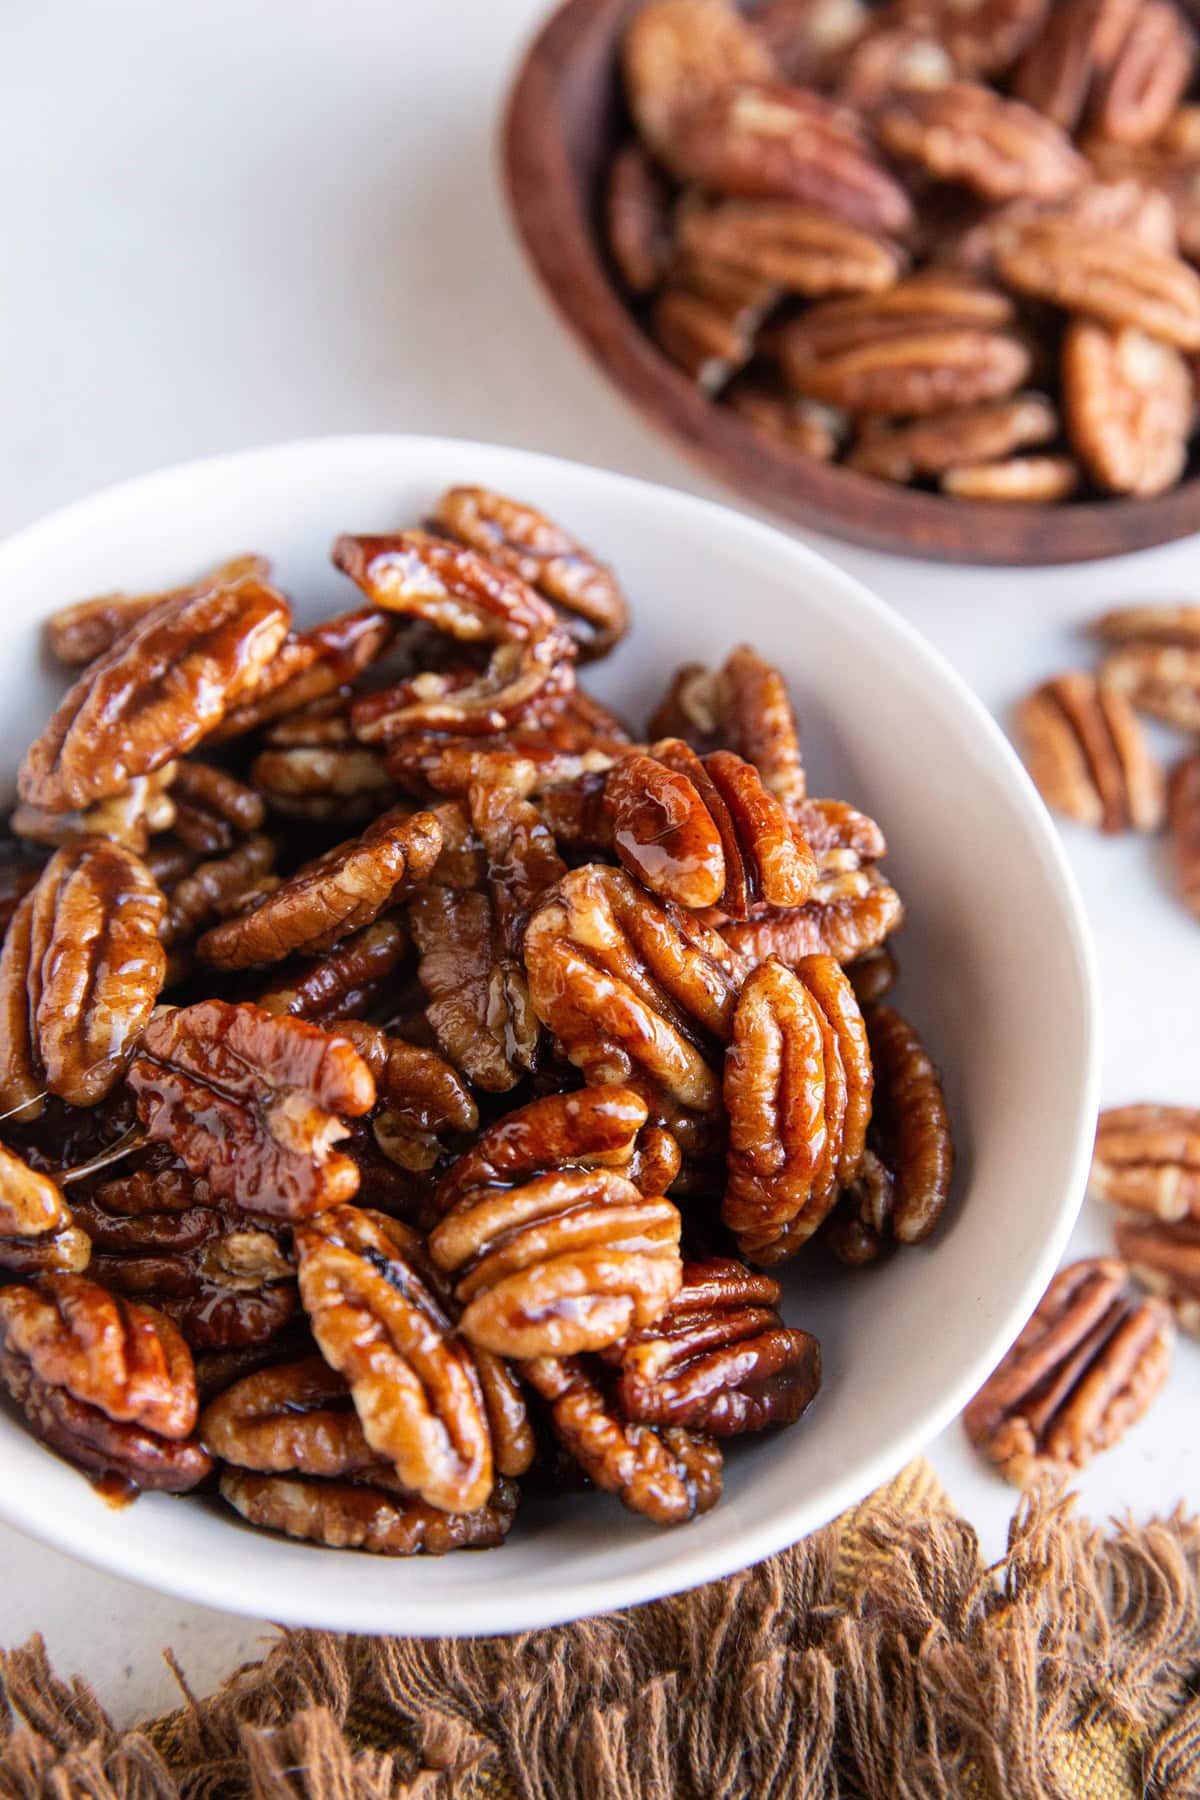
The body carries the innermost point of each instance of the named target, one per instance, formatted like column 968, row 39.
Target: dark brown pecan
column 720, row 1359
column 1147, row 1160
column 1154, row 660
column 1183, row 817
column 517, row 537
column 874, row 975
column 37, row 1232
column 252, row 1102
column 637, row 212
column 345, row 982
column 966, row 132
column 212, row 808
column 669, row 1476
column 676, row 52
column 325, row 901
column 19, row 872
column 1165, row 1258
column 743, row 707
column 479, row 1024
column 625, row 982
column 1086, row 1367
column 154, row 694
column 859, row 1228
column 214, row 889
column 365, row 1515
column 236, row 1292
column 309, row 668
column 982, row 37
column 910, row 1126
column 413, row 1379
column 802, row 424
column 1032, row 480
column 1128, row 405
column 799, row 249
column 590, row 1128
column 1109, row 275
column 851, row 913
column 80, row 971
column 798, row 1085
column 420, row 1097
column 296, row 1417
column 1088, row 754
column 127, row 818
column 909, row 449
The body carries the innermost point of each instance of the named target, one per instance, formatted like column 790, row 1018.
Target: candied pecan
column 413, row 1380
column 1110, row 275
column 1183, row 817
column 364, row 1515
column 309, row 668
column 463, row 595
column 898, row 366
column 154, row 694
column 982, row 37
column 908, row 449
column 296, row 1417
column 252, row 1102
column 720, row 1359
column 321, row 725
column 590, row 1128
column 522, row 863
column 214, row 889
column 18, row 873
column 1079, row 39
column 1128, row 406
column 964, row 131
column 127, row 818
column 1155, row 662
column 1137, row 92
column 669, row 1476
column 637, row 212
column 860, row 1224
column 910, row 1125
column 37, row 1232
column 663, row 832
column 800, row 249
column 798, row 1087
column 891, row 60
column 420, row 1096
column 324, row 781
column 802, row 424
column 874, row 975
column 80, row 971
column 327, row 900
column 1165, row 1259
column 478, row 1023
column 344, row 983
column 520, row 539
column 78, row 634
column 1088, row 755
column 743, row 707
column 708, row 326
column 849, row 915
column 759, row 141
column 217, row 1370
column 1017, row 479
column 1147, row 1159
column 624, row 981
column 676, row 52
column 212, row 808
column 1086, row 1367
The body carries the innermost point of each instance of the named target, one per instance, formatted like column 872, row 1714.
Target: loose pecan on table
column 1183, row 817
column 1153, row 660
column 1164, row 1258
column 1147, row 1160
column 1088, row 754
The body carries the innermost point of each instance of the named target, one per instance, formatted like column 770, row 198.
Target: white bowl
column 997, row 973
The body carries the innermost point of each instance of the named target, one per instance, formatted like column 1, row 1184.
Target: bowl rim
column 566, row 258
column 205, row 1581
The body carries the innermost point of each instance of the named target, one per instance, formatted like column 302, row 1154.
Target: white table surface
column 229, row 222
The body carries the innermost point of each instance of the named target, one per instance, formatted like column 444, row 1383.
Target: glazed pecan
column 421, row 1096
column 78, row 634
column 344, row 983
column 1110, row 275
column 484, row 1028
column 212, row 808
column 335, row 781
column 983, row 433
column 214, row 889
column 321, row 725
column 910, row 1126
column 625, row 982
column 859, row 1228
column 127, row 818
column 236, row 1290
column 966, row 132
column 1147, row 1160
column 805, row 425
column 37, row 1233
column 309, row 668
column 80, row 971
column 758, row 141
column 669, row 1476
column 588, row 1129
column 1088, row 755
column 720, row 1359
column 1029, row 479
column 676, row 52
column 798, row 1087
column 154, row 694
column 707, row 318
column 365, row 1515
column 1154, row 662
column 800, row 249
column 982, row 37
column 413, row 1379
column 1128, row 406
column 251, row 1102
column 1183, row 817
column 637, row 212
column 662, row 831
column 1086, row 1367
column 850, row 914
column 520, row 539
column 874, row 975
column 743, row 707
column 1165, row 1259
column 325, row 901
column 18, row 873
column 294, row 1418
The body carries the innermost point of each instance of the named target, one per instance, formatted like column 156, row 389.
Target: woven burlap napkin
column 878, row 1660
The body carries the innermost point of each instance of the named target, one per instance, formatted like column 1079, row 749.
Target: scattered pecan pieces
column 1087, row 1366
column 1147, row 1160
column 1154, row 660
column 1183, row 817
column 348, row 1515
column 1087, row 753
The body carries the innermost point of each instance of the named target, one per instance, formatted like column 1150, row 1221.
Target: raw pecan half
column 802, row 424
column 743, row 707
column 154, row 694
column 365, row 1516
column 926, row 367
column 891, row 60
column 1110, row 275
column 676, row 52
column 1088, row 755
column 637, row 213
column 1079, row 39
column 966, row 132
column 344, row 983
column 706, row 319
column 1034, row 480
column 37, row 1232
column 1155, row 661
column 1147, row 1160
column 720, row 1359
column 668, row 1475
column 1165, row 1259
column 1183, row 817
column 910, row 1125
column 798, row 1087
column 413, row 1379
column 1086, row 1367
column 626, row 982
column 1128, row 406
column 983, row 433
column 800, row 249
column 982, row 37
column 811, row 40
column 80, row 971
column 252, row 1102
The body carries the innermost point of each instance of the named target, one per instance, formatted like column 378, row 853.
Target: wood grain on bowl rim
column 558, row 132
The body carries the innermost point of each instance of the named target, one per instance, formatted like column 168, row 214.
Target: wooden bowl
column 566, row 114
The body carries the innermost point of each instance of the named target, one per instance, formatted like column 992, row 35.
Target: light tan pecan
column 309, row 668
column 743, row 707
column 669, row 1476
column 1110, row 275
column 891, row 60
column 798, row 1092
column 1088, row 754
column 1138, row 91
column 926, row 366
column 254, row 1103
column 1183, row 817
column 720, row 1359
column 637, row 214
column 805, row 425
column 335, row 781
column 1032, row 480
column 1119, row 202
column 342, row 984
column 1147, row 1160
column 128, row 818
column 707, row 318
column 762, row 141
column 1128, row 406
column 799, row 249
column 982, row 37
column 851, row 913
column 1087, row 1366
column 80, row 971
column 325, row 901
column 365, row 1515
column 910, row 1126
column 1165, row 1259
column 154, row 694
column 80, row 633
column 517, row 537
column 1154, row 661
column 1079, row 40
column 676, row 52
column 37, row 1232
column 908, row 449
column 966, row 132
column 412, row 1377
column 212, row 808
